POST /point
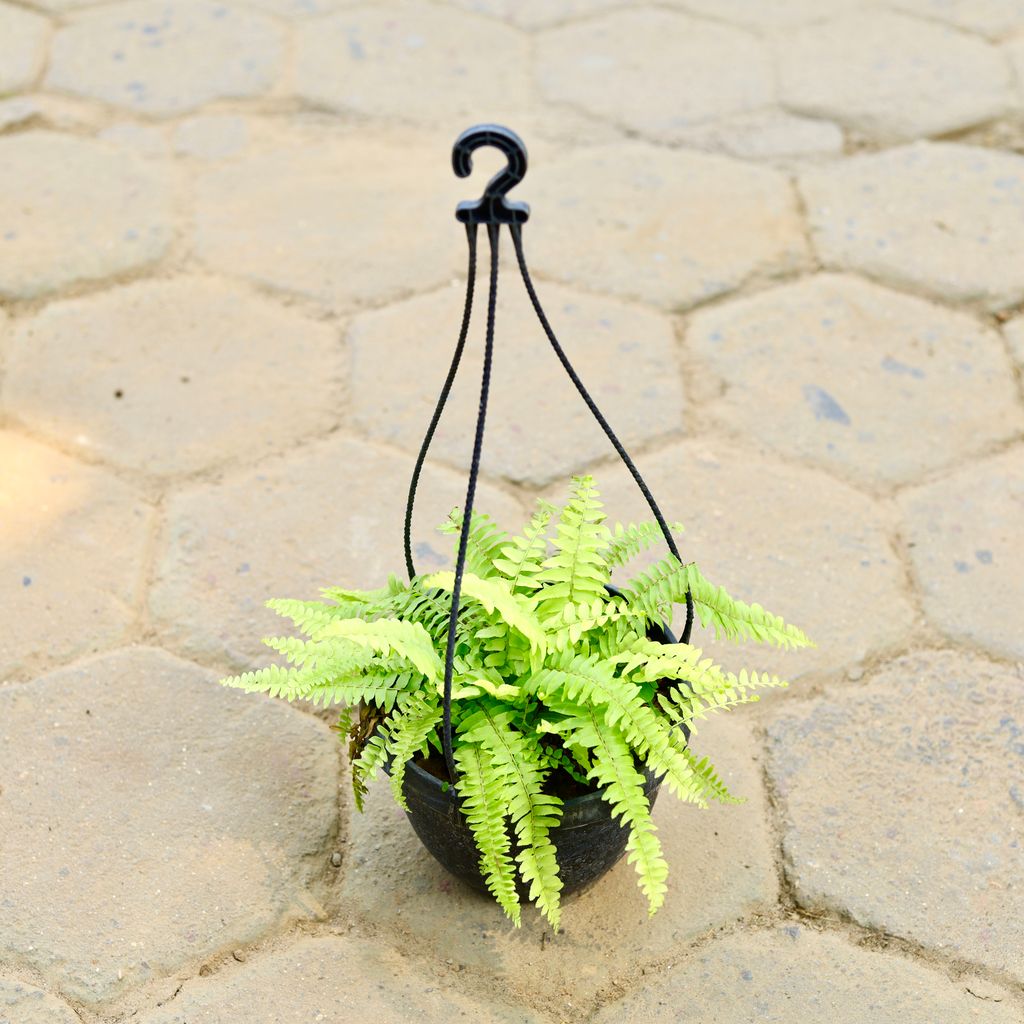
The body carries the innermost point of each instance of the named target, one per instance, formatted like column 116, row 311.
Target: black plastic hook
column 493, row 207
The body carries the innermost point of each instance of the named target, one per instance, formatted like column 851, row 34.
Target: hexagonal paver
column 74, row 209
column 794, row 974
column 392, row 881
column 1015, row 50
column 943, row 218
column 333, row 978
column 670, row 228
column 656, row 72
column 330, row 514
column 362, row 61
column 212, row 136
column 300, row 8
column 993, row 18
column 166, row 58
column 767, row 135
column 800, row 543
column 534, row 13
column 212, row 371
column 902, row 805
column 341, row 221
column 963, row 531
column 21, row 1003
column 191, row 818
column 848, row 375
column 70, row 564
column 779, row 14
column 23, row 38
column 538, row 427
column 892, row 77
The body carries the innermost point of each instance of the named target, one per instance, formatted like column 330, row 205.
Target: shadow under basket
column 588, row 841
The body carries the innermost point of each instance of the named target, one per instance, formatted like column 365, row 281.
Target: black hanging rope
column 517, row 241
column 467, row 508
column 494, row 210
column 442, row 398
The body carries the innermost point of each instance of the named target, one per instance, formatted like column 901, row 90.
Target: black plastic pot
column 588, row 841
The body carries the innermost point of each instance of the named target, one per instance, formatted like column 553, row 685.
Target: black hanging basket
column 588, row 840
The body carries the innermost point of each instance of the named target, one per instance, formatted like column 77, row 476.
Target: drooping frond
column 534, row 813
column 481, row 787
column 577, row 571
column 310, row 617
column 520, row 560
column 484, row 543
column 408, row 640
column 373, row 757
column 407, row 735
column 628, row 541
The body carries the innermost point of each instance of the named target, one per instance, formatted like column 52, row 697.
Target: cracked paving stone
column 21, row 1003
column 672, row 228
column 538, row 428
column 892, row 77
column 164, row 58
column 213, row 371
column 23, row 38
column 943, row 218
column 74, row 210
column 792, row 974
column 656, row 72
column 340, row 221
column 797, row 541
column 361, row 60
column 901, row 802
column 333, row 979
column 329, row 514
column 964, row 533
column 768, row 135
column 530, row 14
column 192, row 820
column 853, row 377
column 779, row 14
column 394, row 882
column 992, row 18
column 74, row 538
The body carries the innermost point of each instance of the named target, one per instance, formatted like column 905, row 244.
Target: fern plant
column 554, row 677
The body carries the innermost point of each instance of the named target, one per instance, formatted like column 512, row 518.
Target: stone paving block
column 792, row 974
column 655, row 72
column 330, row 514
column 992, row 18
column 17, row 111
column 213, row 372
column 869, row 383
column 73, row 210
column 23, row 37
column 892, row 77
column 70, row 561
column 779, row 14
column 1015, row 50
column 800, row 543
column 145, row 139
column 363, row 60
column 606, row 934
column 946, row 219
column 341, row 221
column 668, row 227
column 212, row 136
column 154, row 818
column 964, row 534
column 902, row 805
column 538, row 428
column 300, row 8
column 334, row 978
column 769, row 134
column 21, row 1003
column 1014, row 332
column 162, row 58
column 530, row 14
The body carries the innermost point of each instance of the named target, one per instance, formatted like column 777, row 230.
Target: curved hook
column 492, row 207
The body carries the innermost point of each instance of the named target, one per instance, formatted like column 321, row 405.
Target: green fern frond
column 365, row 767
column 484, row 543
column 628, row 541
column 520, row 560
column 408, row 640
column 481, row 788
column 407, row 735
column 534, row 813
column 309, row 617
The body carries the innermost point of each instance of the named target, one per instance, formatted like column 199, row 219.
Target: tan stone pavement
column 783, row 240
